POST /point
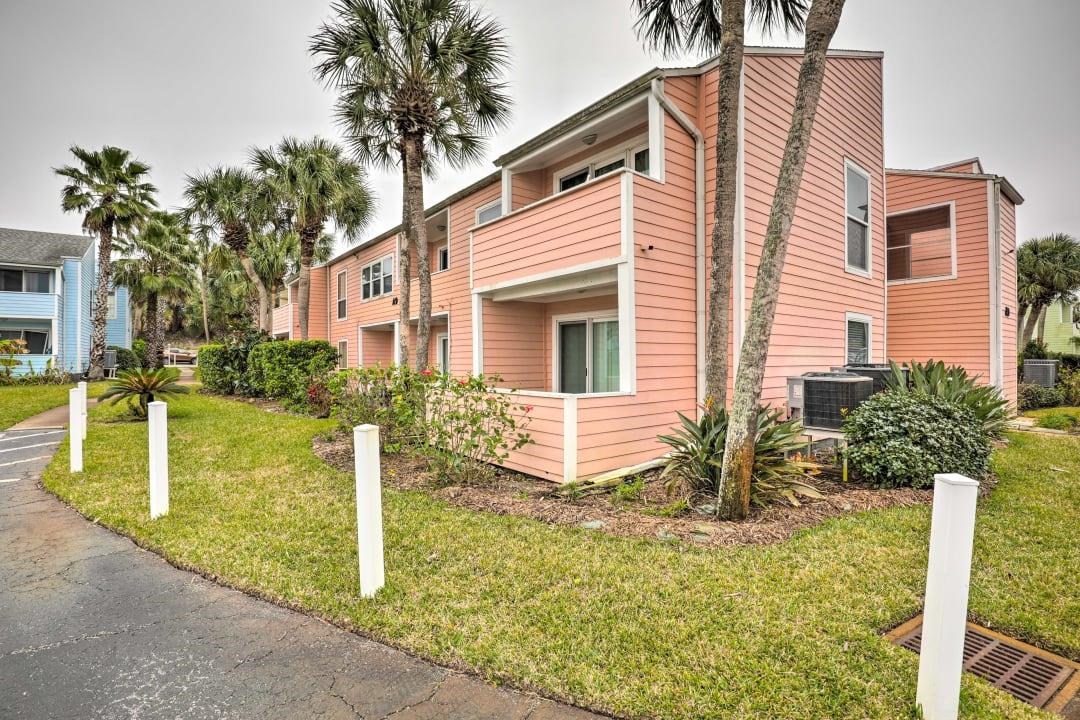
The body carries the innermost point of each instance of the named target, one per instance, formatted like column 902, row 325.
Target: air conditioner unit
column 795, row 396
column 829, row 396
column 1041, row 372
column 879, row 373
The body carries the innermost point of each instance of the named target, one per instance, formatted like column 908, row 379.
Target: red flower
column 463, row 381
column 528, row 409
column 425, row 373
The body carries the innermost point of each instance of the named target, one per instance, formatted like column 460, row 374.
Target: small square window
column 377, row 278
column 609, row 167
column 443, row 262
column 489, row 212
column 573, row 179
column 641, row 160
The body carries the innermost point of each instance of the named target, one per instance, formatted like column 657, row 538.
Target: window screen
column 920, row 244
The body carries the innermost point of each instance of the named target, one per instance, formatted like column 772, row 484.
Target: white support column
column 570, row 439
column 75, row 420
column 369, row 530
column 82, row 394
column 157, row 415
column 948, row 574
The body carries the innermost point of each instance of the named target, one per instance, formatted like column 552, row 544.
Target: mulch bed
column 509, row 493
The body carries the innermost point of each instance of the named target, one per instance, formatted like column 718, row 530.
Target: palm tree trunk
column 308, row 236
column 205, row 309
column 1030, row 322
column 155, row 332
column 414, row 206
column 717, row 360
column 261, row 315
column 96, row 370
column 405, row 250
column 1042, row 325
column 734, row 495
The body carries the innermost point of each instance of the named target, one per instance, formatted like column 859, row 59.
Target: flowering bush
column 471, row 425
column 390, row 397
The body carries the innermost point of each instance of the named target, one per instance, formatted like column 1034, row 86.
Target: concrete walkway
column 91, row 626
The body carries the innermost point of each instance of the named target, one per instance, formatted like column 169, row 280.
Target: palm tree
column 1047, row 270
column 110, row 188
column 734, row 496
column 230, row 202
column 419, row 82
column 672, row 26
column 275, row 255
column 314, row 182
column 211, row 259
column 158, row 268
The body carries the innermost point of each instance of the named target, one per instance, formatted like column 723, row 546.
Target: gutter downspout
column 996, row 359
column 699, row 227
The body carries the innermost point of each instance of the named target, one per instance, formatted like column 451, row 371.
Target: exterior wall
column 809, row 331
column 947, row 320
column 118, row 330
column 377, row 346
column 319, row 307
column 543, row 457
column 578, row 227
column 528, row 187
column 1060, row 329
column 282, row 320
column 1007, row 255
column 515, row 344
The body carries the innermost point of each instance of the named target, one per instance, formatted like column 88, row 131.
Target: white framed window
column 586, row 354
column 442, row 345
column 858, row 339
column 110, row 305
column 442, row 258
column 857, row 214
column 377, row 279
column 489, row 212
column 30, row 281
column 921, row 244
column 37, row 341
column 342, row 354
column 636, row 157
column 342, row 294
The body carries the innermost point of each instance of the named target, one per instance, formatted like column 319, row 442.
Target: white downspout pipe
column 699, row 226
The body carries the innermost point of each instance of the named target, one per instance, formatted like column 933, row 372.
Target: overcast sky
column 187, row 85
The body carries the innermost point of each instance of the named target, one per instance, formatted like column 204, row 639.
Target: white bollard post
column 948, row 574
column 369, row 532
column 82, row 394
column 75, row 431
column 159, row 459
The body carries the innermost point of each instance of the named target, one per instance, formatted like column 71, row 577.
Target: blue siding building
column 46, row 294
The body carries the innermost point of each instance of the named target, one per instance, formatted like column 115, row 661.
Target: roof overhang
column 1007, row 187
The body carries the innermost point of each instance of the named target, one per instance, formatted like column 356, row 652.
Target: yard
column 18, row 402
column 1057, row 418
column 638, row 628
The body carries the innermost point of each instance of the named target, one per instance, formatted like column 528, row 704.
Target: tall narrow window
column 920, row 244
column 444, row 353
column 641, row 160
column 858, row 340
column 110, row 304
column 857, row 191
column 342, row 294
column 342, row 354
column 442, row 255
column 588, row 355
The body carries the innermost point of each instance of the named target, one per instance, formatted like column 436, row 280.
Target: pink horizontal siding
column 543, row 457
column 580, row 226
column 1009, row 346
column 282, row 320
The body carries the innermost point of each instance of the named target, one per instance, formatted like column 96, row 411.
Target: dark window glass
column 37, row 281
column 35, row 342
column 641, row 160
column 568, row 181
column 11, row 280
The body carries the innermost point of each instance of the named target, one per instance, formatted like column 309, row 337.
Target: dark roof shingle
column 28, row 247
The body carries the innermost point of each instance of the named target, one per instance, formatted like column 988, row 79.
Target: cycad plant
column 141, row 387
column 952, row 383
column 697, row 452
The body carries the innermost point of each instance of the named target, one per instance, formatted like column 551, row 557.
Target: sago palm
column 142, row 386
column 158, row 268
column 717, row 26
column 419, row 83
column 110, row 188
column 229, row 201
column 313, row 182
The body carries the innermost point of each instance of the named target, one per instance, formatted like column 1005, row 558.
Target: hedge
column 222, row 368
column 284, row 369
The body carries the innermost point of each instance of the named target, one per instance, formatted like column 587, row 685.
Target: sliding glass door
column 588, row 355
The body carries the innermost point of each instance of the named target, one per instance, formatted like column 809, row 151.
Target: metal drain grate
column 1010, row 666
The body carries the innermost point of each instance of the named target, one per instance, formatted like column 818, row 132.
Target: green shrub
column 1033, row 350
column 138, row 346
column 901, row 439
column 285, row 369
column 1068, row 384
column 470, row 425
column 390, row 397
column 222, row 368
column 1033, row 397
column 697, row 454
column 125, row 359
column 953, row 384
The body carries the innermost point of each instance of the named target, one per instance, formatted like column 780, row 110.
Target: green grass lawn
column 634, row 627
column 1057, row 418
column 18, row 402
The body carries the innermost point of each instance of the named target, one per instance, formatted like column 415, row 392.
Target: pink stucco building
column 577, row 270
